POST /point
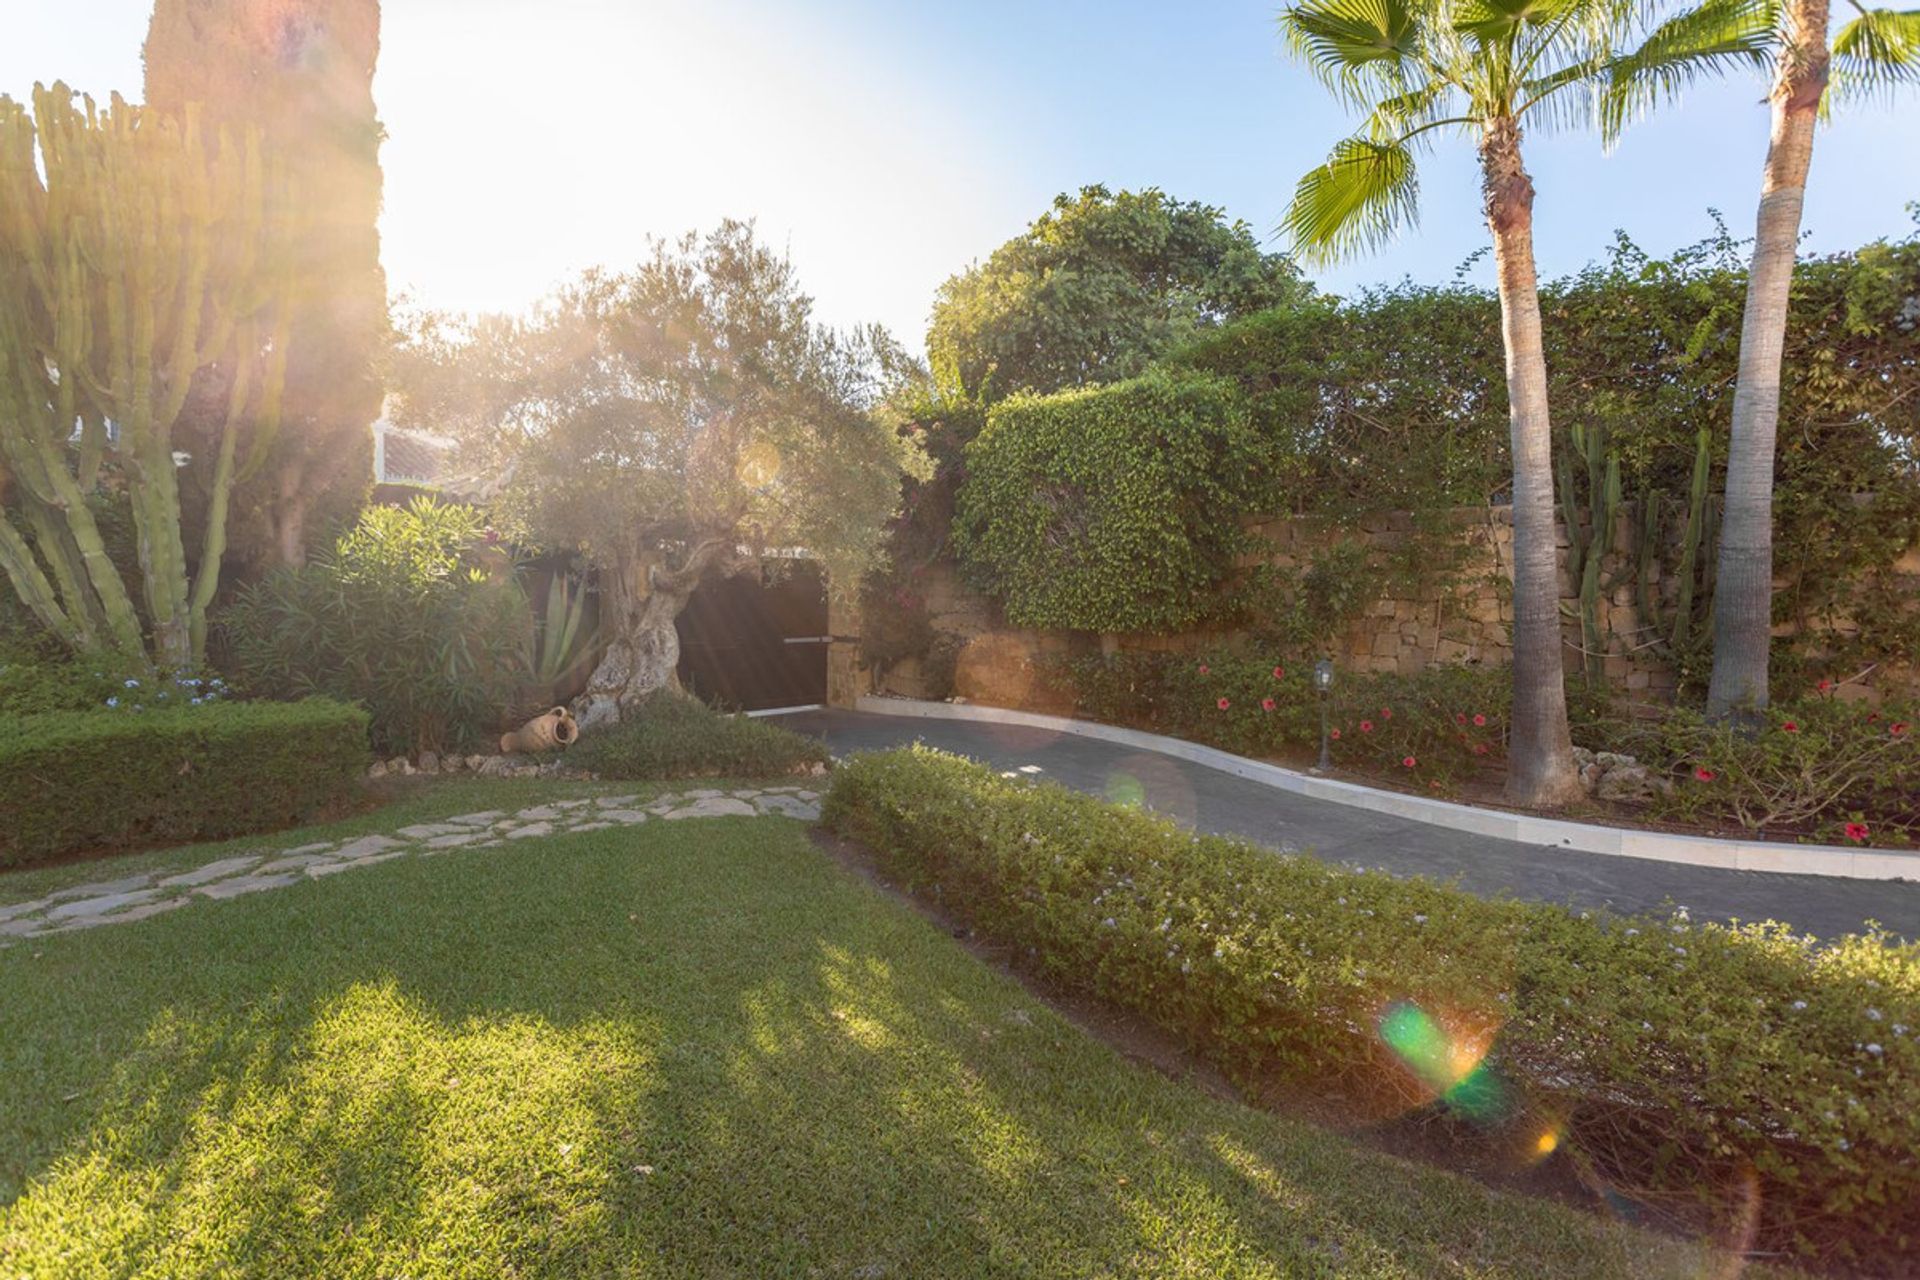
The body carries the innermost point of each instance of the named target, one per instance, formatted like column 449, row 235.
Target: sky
column 886, row 146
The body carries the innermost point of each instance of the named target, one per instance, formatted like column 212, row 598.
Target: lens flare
column 1547, row 1143
column 1452, row 1064
column 1124, row 788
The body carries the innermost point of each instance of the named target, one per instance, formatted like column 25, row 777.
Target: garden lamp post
column 1323, row 683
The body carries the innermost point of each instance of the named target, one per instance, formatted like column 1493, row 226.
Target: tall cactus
column 140, row 257
column 1693, row 538
column 1694, row 574
column 1590, row 539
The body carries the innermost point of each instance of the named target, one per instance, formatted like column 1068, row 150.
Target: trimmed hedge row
column 90, row 779
column 678, row 736
column 1699, row 1068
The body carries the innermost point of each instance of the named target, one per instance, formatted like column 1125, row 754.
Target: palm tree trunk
column 1540, row 772
column 1743, row 594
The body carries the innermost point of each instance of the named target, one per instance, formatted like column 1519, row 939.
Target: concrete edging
column 1660, row 846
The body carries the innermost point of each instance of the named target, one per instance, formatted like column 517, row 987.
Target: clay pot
column 542, row 733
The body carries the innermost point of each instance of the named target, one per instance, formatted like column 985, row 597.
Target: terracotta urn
column 556, row 728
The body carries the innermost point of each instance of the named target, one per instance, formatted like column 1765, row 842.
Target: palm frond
column 1341, row 41
column 1491, row 21
column 1876, row 53
column 1710, row 39
column 1366, row 191
column 1404, row 113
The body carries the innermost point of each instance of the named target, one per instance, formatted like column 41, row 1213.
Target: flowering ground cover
column 673, row 1049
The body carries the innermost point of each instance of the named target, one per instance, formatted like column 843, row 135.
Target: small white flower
column 1633, row 933
column 132, row 684
column 1799, row 1004
column 113, row 702
column 1873, row 1015
column 1109, row 922
column 1875, row 1050
column 1419, row 919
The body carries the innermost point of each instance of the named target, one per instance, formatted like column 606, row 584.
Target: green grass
column 687, row 1049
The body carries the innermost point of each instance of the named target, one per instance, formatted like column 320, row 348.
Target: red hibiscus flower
column 1409, row 761
column 1857, row 831
column 1223, row 704
column 1366, row 726
column 1203, row 668
column 1479, row 748
column 1266, row 704
column 1790, row 727
column 1873, row 717
column 1461, row 718
column 1824, row 685
column 1898, row 728
column 1279, row 673
column 1335, row 735
column 1386, row 713
column 1479, row 722
column 1704, row 774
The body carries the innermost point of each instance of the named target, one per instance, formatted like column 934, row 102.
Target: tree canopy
column 1097, row 288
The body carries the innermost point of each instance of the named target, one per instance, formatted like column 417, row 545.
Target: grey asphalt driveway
column 1218, row 802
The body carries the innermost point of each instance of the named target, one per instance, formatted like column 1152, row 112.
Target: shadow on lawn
column 720, row 1057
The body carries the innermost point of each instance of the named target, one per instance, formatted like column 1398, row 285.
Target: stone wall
column 1464, row 615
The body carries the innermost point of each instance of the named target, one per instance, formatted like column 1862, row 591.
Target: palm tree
column 1876, row 51
column 1482, row 67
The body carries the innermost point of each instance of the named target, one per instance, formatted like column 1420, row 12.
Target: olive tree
column 675, row 422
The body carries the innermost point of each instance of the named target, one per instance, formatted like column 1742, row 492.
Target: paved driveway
column 1218, row 802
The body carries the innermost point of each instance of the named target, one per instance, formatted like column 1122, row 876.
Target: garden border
column 1659, row 846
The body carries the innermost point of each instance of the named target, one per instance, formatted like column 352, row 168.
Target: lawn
column 697, row 1048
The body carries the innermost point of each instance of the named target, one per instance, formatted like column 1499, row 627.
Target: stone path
column 136, row 897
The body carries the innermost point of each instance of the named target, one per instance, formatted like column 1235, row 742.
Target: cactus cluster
column 134, row 252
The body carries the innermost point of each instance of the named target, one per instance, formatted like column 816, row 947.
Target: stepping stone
column 247, row 884
column 299, row 862
column 102, row 905
column 20, row 928
column 427, row 830
column 749, row 793
column 627, row 817
column 365, row 845
column 329, row 868
column 809, row 796
column 702, row 794
column 539, row 813
column 716, row 806
column 454, row 841
column 571, row 804
column 594, row 826
column 616, row 802
column 212, row 871
column 531, row 829
column 103, row 889
column 124, row 917
column 484, row 819
column 27, row 908
column 325, row 846
column 790, row 807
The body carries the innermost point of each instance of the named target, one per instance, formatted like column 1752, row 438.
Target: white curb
column 1660, row 846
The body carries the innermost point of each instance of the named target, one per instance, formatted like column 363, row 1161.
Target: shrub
column 1115, row 508
column 91, row 779
column 1676, row 1061
column 398, row 620
column 1835, row 770
column 676, row 736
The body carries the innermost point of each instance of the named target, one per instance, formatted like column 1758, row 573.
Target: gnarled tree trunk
column 1743, row 583
column 1540, row 770
column 643, row 647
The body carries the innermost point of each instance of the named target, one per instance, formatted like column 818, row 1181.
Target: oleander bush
column 102, row 779
column 1835, row 770
column 1706, row 1072
column 398, row 618
column 675, row 735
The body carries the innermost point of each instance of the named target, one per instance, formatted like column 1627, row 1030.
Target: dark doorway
column 758, row 639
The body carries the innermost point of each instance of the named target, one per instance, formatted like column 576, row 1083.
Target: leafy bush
column 1683, row 1064
column 1115, row 508
column 91, row 779
column 676, row 736
column 398, row 620
column 1833, row 769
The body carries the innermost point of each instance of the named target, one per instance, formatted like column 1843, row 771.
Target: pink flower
column 1479, row 722
column 1223, row 704
column 1704, row 774
column 1386, row 713
column 1824, row 685
column 1409, row 761
column 1898, row 728
column 1857, row 831
column 1203, row 668
column 1460, row 718
column 1366, row 726
column 1279, row 673
column 1335, row 735
column 1479, row 748
column 1790, row 727
column 1266, row 704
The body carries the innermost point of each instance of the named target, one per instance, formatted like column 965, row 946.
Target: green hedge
column 1111, row 509
column 1701, row 1068
column 676, row 736
column 101, row 779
